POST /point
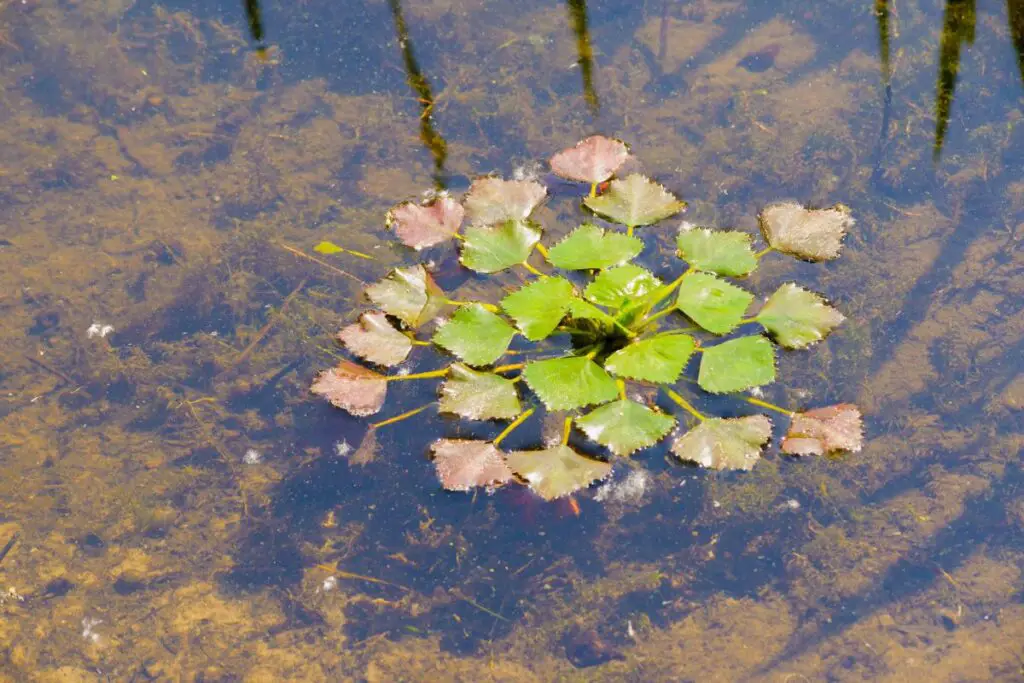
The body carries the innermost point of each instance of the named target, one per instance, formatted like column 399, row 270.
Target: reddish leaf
column 374, row 339
column 462, row 464
column 818, row 431
column 593, row 160
column 492, row 200
column 423, row 225
column 352, row 387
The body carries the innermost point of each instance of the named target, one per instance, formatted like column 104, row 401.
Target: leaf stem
column 515, row 423
column 490, row 307
column 684, row 404
column 526, row 264
column 542, row 249
column 763, row 252
column 593, row 190
column 629, row 231
column 660, row 314
column 566, row 430
column 415, row 341
column 403, row 416
column 509, row 367
column 417, row 375
column 667, row 290
column 769, row 406
column 622, row 388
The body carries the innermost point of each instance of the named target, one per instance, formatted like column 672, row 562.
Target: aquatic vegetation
column 603, row 335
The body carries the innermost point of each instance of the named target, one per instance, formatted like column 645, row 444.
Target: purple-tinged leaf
column 593, row 160
column 832, row 428
column 374, row 339
column 493, row 200
column 463, row 464
column 423, row 225
column 352, row 387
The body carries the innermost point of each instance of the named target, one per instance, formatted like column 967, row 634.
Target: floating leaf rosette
column 619, row 347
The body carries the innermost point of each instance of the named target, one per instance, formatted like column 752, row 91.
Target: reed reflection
column 432, row 140
column 585, row 52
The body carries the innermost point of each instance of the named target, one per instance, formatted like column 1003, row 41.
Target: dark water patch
column 267, row 556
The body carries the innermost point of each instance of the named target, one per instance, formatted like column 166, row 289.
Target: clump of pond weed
column 627, row 328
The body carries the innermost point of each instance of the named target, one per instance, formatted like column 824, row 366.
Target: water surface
column 174, row 505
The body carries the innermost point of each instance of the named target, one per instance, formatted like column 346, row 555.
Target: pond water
column 175, row 505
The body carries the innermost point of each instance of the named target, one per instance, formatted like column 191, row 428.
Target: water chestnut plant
column 601, row 338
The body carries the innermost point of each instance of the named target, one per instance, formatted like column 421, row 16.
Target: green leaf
column 409, row 294
column 489, row 250
column 475, row 335
column 569, row 383
column 725, row 252
column 590, row 247
column 737, row 365
column 556, row 472
column 618, row 286
column 328, row 248
column 580, row 309
column 714, row 304
column 656, row 359
column 635, row 200
column 798, row 318
column 811, row 234
column 374, row 339
column 732, row 443
column 625, row 426
column 538, row 307
column 479, row 395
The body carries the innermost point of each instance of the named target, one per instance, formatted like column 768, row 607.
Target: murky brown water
column 174, row 506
